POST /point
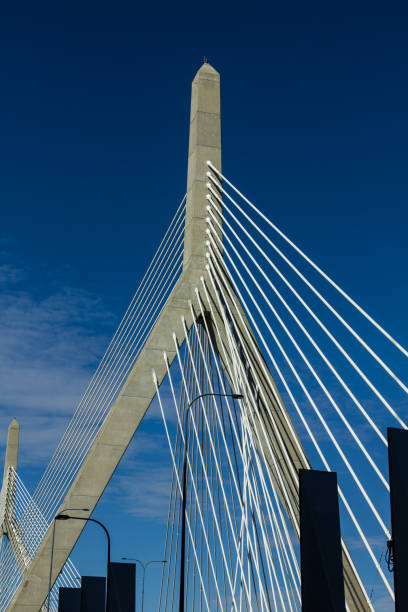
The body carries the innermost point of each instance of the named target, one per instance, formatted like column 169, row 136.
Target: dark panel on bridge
column 69, row 599
column 122, row 587
column 93, row 594
column 398, row 460
column 320, row 543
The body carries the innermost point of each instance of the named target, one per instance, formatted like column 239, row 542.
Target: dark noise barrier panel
column 122, row 587
column 398, row 470
column 320, row 543
column 93, row 594
column 69, row 599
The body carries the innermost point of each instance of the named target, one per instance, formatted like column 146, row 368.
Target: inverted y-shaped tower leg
column 281, row 444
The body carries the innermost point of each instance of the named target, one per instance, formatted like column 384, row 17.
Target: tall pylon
column 10, row 527
column 13, row 438
column 138, row 391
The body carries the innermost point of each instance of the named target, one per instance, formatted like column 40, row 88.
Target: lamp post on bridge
column 52, row 547
column 65, row 517
column 144, row 567
column 184, row 489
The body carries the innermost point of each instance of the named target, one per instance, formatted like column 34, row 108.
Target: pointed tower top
column 204, row 143
column 207, row 71
column 12, row 447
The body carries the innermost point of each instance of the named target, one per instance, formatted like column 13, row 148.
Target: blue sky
column 94, row 110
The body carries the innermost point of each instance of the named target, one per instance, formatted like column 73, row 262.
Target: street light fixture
column 65, row 517
column 144, row 567
column 52, row 548
column 184, row 489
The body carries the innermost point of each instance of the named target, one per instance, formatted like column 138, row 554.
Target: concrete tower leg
column 138, row 391
column 204, row 144
column 12, row 447
column 9, row 461
column 10, row 526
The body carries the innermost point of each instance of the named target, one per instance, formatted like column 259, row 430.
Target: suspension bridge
column 261, row 365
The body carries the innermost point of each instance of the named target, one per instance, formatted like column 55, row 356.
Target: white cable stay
column 171, row 546
column 312, row 370
column 321, row 325
column 175, row 471
column 241, row 382
column 254, row 501
column 311, row 401
column 93, row 420
column 72, row 431
column 210, row 494
column 122, row 374
column 315, row 266
column 365, row 541
column 239, row 375
column 386, row 368
column 257, row 507
column 237, row 310
column 266, row 440
column 180, row 424
column 261, row 537
column 103, row 406
column 229, row 368
column 157, row 260
column 23, row 521
column 253, row 498
column 73, row 447
column 233, row 377
column 213, row 272
column 263, row 483
column 205, row 366
column 21, row 501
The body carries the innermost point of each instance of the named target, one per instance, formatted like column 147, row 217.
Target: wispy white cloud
column 145, row 492
column 9, row 274
column 376, row 542
column 141, row 485
column 49, row 348
column 383, row 603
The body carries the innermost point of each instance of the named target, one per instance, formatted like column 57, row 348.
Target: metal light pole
column 184, row 490
column 64, row 517
column 144, row 567
column 52, row 548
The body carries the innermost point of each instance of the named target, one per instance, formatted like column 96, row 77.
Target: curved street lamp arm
column 64, row 517
column 52, row 548
column 156, row 561
column 234, row 395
